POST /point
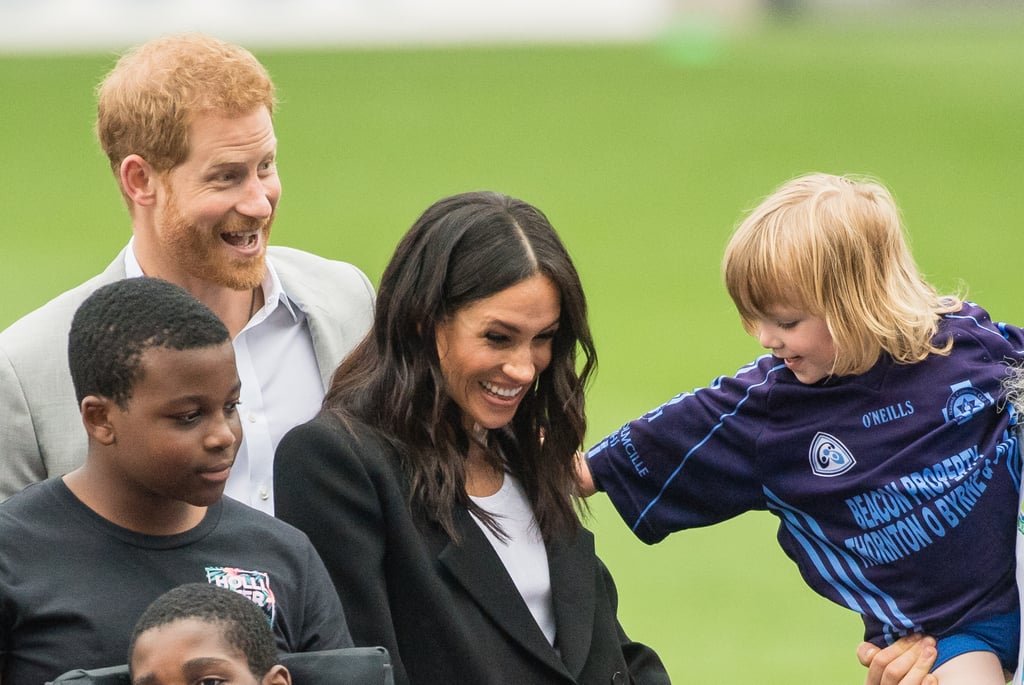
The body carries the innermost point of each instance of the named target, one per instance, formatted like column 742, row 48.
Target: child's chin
column 206, row 498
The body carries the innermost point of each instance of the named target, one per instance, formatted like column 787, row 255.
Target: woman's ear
column 96, row 418
column 277, row 675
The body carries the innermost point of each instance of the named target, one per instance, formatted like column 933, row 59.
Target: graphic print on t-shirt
column 252, row 584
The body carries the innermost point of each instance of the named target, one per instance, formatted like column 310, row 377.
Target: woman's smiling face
column 492, row 350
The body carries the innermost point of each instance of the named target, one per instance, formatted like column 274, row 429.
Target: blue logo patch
column 829, row 456
column 964, row 402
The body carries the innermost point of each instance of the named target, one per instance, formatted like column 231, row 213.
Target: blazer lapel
column 572, row 563
column 330, row 345
column 476, row 567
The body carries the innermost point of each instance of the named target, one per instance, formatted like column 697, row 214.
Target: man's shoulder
column 47, row 325
column 305, row 270
column 297, row 263
column 338, row 297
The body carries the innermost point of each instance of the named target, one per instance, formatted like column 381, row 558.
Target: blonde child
column 876, row 430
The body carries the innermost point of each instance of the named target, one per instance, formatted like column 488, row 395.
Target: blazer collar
column 330, row 344
column 330, row 341
column 573, row 574
column 474, row 565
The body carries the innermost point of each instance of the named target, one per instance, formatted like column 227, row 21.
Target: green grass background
column 644, row 157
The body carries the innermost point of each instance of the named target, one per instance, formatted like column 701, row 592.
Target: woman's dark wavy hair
column 462, row 249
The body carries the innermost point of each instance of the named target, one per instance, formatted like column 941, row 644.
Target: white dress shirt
column 281, row 386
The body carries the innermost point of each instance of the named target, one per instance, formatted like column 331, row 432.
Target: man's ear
column 138, row 180
column 96, row 418
column 277, row 675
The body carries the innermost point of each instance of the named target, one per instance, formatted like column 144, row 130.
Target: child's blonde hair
column 834, row 246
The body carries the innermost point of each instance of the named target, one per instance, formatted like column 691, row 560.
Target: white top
column 281, row 386
column 524, row 555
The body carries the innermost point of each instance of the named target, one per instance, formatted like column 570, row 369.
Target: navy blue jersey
column 896, row 489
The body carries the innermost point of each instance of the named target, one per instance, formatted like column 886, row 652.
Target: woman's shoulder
column 330, row 424
column 330, row 434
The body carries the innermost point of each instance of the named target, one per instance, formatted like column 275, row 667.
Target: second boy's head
column 203, row 633
column 155, row 378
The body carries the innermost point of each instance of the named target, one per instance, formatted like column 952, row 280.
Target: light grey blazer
column 41, row 433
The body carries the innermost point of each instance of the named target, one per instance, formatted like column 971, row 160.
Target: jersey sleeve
column 690, row 462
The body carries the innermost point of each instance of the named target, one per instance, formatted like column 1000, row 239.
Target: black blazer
column 448, row 613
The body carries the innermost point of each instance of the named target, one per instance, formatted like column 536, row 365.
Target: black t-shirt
column 72, row 584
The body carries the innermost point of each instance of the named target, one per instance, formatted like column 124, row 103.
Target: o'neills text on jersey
column 893, row 412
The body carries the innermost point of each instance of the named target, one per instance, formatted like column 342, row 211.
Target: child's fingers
column 905, row 662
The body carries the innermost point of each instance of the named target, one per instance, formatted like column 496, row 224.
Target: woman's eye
column 496, row 337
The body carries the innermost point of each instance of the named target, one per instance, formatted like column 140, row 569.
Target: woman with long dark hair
column 438, row 482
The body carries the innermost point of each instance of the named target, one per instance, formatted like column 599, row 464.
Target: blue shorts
column 999, row 634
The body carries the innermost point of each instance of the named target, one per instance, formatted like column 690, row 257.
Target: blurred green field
column 644, row 157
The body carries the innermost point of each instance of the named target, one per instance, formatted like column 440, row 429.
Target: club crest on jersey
column 964, row 402
column 829, row 456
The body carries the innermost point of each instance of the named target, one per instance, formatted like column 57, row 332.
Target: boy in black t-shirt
column 155, row 379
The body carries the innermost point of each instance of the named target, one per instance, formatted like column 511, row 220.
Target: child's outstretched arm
column 584, row 478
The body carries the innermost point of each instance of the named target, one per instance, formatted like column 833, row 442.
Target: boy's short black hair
column 121, row 320
column 241, row 623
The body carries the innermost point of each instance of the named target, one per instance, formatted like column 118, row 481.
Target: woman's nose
column 520, row 367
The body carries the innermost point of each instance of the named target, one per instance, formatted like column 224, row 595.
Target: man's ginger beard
column 202, row 252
